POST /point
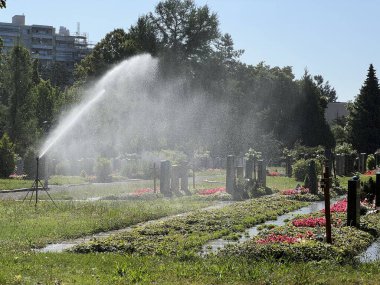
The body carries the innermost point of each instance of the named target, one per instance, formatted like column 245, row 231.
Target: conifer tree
column 364, row 116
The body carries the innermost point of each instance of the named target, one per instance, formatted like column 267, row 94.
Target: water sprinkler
column 37, row 185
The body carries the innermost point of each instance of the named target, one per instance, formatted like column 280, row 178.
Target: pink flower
column 340, row 206
column 309, row 222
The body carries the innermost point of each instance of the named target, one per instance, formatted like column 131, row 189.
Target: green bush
column 371, row 162
column 7, row 156
column 30, row 163
column 300, row 168
column 63, row 168
column 103, row 169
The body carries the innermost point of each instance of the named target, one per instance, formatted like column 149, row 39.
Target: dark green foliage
column 301, row 168
column 364, row 116
column 7, row 156
column 368, row 189
column 21, row 122
column 371, row 162
column 314, row 128
column 30, row 165
column 45, row 98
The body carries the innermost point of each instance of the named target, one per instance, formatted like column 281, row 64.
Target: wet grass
column 24, row 226
column 66, row 268
column 8, row 184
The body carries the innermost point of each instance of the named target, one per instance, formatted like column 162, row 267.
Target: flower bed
column 338, row 207
column 283, row 238
column 298, row 190
column 212, row 191
column 302, row 239
column 370, row 172
column 142, row 191
column 273, row 173
column 186, row 235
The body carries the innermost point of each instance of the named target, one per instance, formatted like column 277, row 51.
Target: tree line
column 269, row 109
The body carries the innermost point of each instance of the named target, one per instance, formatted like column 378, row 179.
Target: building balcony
column 38, row 46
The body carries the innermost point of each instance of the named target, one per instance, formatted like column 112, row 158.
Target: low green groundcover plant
column 185, row 235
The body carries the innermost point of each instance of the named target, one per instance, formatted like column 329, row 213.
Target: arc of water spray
column 74, row 116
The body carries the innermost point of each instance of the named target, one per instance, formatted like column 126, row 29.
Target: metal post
column 377, row 194
column 353, row 202
column 326, row 184
column 37, row 179
column 154, row 178
column 193, row 176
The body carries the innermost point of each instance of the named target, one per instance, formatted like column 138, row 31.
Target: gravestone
column 313, row 180
column 230, row 175
column 20, row 166
column 239, row 172
column 249, row 167
column 362, row 162
column 349, row 164
column 377, row 202
column 377, row 158
column 353, row 202
column 184, row 173
column 175, row 179
column 342, row 164
column 337, row 164
column 261, row 173
column 165, row 178
column 289, row 166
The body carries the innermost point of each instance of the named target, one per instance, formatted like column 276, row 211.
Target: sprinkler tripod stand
column 37, row 185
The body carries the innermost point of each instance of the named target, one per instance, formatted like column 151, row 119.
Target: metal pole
column 193, row 176
column 37, row 159
column 326, row 178
column 154, row 178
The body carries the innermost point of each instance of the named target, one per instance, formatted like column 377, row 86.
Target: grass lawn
column 24, row 227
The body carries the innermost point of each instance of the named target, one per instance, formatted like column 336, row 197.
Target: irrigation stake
column 37, row 184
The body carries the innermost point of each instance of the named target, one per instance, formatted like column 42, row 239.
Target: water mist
column 132, row 109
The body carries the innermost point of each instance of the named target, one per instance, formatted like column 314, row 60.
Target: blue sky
column 337, row 39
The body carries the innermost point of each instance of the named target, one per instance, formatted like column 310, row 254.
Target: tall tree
column 313, row 126
column 3, row 4
column 20, row 104
column 144, row 35
column 44, row 99
column 112, row 49
column 364, row 115
column 184, row 29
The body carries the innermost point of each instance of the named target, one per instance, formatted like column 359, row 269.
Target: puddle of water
column 215, row 245
column 371, row 254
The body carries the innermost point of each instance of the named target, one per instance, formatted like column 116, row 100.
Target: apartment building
column 43, row 42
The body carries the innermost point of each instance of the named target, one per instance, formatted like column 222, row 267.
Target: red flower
column 142, row 191
column 211, row 191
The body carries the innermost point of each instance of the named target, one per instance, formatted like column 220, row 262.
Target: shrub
column 103, row 169
column 63, row 168
column 371, row 162
column 30, row 163
column 7, row 156
column 300, row 168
